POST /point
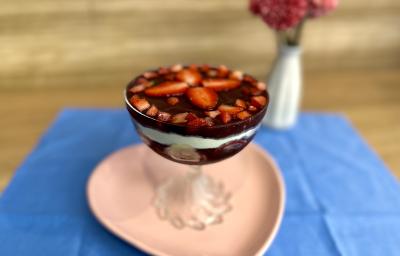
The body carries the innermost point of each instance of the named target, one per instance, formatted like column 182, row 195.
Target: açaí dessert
column 196, row 114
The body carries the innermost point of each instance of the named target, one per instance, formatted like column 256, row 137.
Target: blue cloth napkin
column 341, row 199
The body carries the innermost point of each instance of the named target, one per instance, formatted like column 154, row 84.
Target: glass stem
column 196, row 170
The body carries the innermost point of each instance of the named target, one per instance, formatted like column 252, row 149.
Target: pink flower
column 280, row 14
column 321, row 7
column 254, row 6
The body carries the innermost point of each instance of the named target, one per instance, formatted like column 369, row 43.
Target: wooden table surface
column 369, row 98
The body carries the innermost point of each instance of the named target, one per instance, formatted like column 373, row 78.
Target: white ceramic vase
column 284, row 86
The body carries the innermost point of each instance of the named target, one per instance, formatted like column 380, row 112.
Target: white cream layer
column 193, row 141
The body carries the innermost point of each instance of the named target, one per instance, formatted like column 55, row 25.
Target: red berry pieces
column 212, row 73
column 152, row 111
column 252, row 108
column 203, row 98
column 197, row 122
column 223, row 71
column 261, row 86
column 139, row 103
column 243, row 115
column 172, row 101
column 238, row 75
column 137, row 88
column 209, row 120
column 225, row 117
column 163, row 116
column 176, row 68
column 163, row 71
column 150, row 74
column 205, row 68
column 179, row 118
column 167, row 89
column 258, row 101
column 213, row 114
column 229, row 109
column 191, row 116
column 190, row 76
column 221, row 84
column 255, row 91
column 240, row 103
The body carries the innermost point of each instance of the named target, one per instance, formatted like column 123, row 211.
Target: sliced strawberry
column 170, row 77
column 240, row 103
column 246, row 90
column 166, row 89
column 193, row 66
column 249, row 79
column 252, row 108
column 213, row 114
column 191, row 116
column 179, row 118
column 163, row 116
column 225, row 117
column 209, row 121
column 143, row 81
column 205, row 67
column 190, row 76
column 255, row 91
column 223, row 71
column 203, row 98
column 261, row 86
column 172, row 101
column 152, row 111
column 176, row 68
column 197, row 122
column 212, row 73
column 229, row 109
column 139, row 103
column 243, row 115
column 163, row 71
column 238, row 75
column 137, row 88
column 258, row 101
column 220, row 84
column 150, row 74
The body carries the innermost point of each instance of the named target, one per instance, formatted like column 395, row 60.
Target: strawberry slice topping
column 173, row 101
column 166, row 89
column 252, row 108
column 139, row 103
column 190, row 76
column 221, row 84
column 225, row 117
column 198, row 122
column 180, row 118
column 258, row 101
column 240, row 103
column 137, row 88
column 152, row 111
column 213, row 114
column 243, row 115
column 163, row 116
column 229, row 109
column 203, row 98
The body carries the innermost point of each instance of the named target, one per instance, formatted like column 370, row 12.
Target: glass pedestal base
column 192, row 200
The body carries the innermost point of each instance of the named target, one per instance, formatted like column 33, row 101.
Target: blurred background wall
column 46, row 43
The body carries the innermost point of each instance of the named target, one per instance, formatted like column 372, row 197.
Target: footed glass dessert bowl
column 195, row 115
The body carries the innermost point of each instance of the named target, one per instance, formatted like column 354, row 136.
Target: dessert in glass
column 195, row 115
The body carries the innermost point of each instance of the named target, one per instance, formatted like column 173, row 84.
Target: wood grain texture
column 51, row 43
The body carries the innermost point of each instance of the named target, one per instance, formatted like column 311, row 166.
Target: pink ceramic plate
column 120, row 193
